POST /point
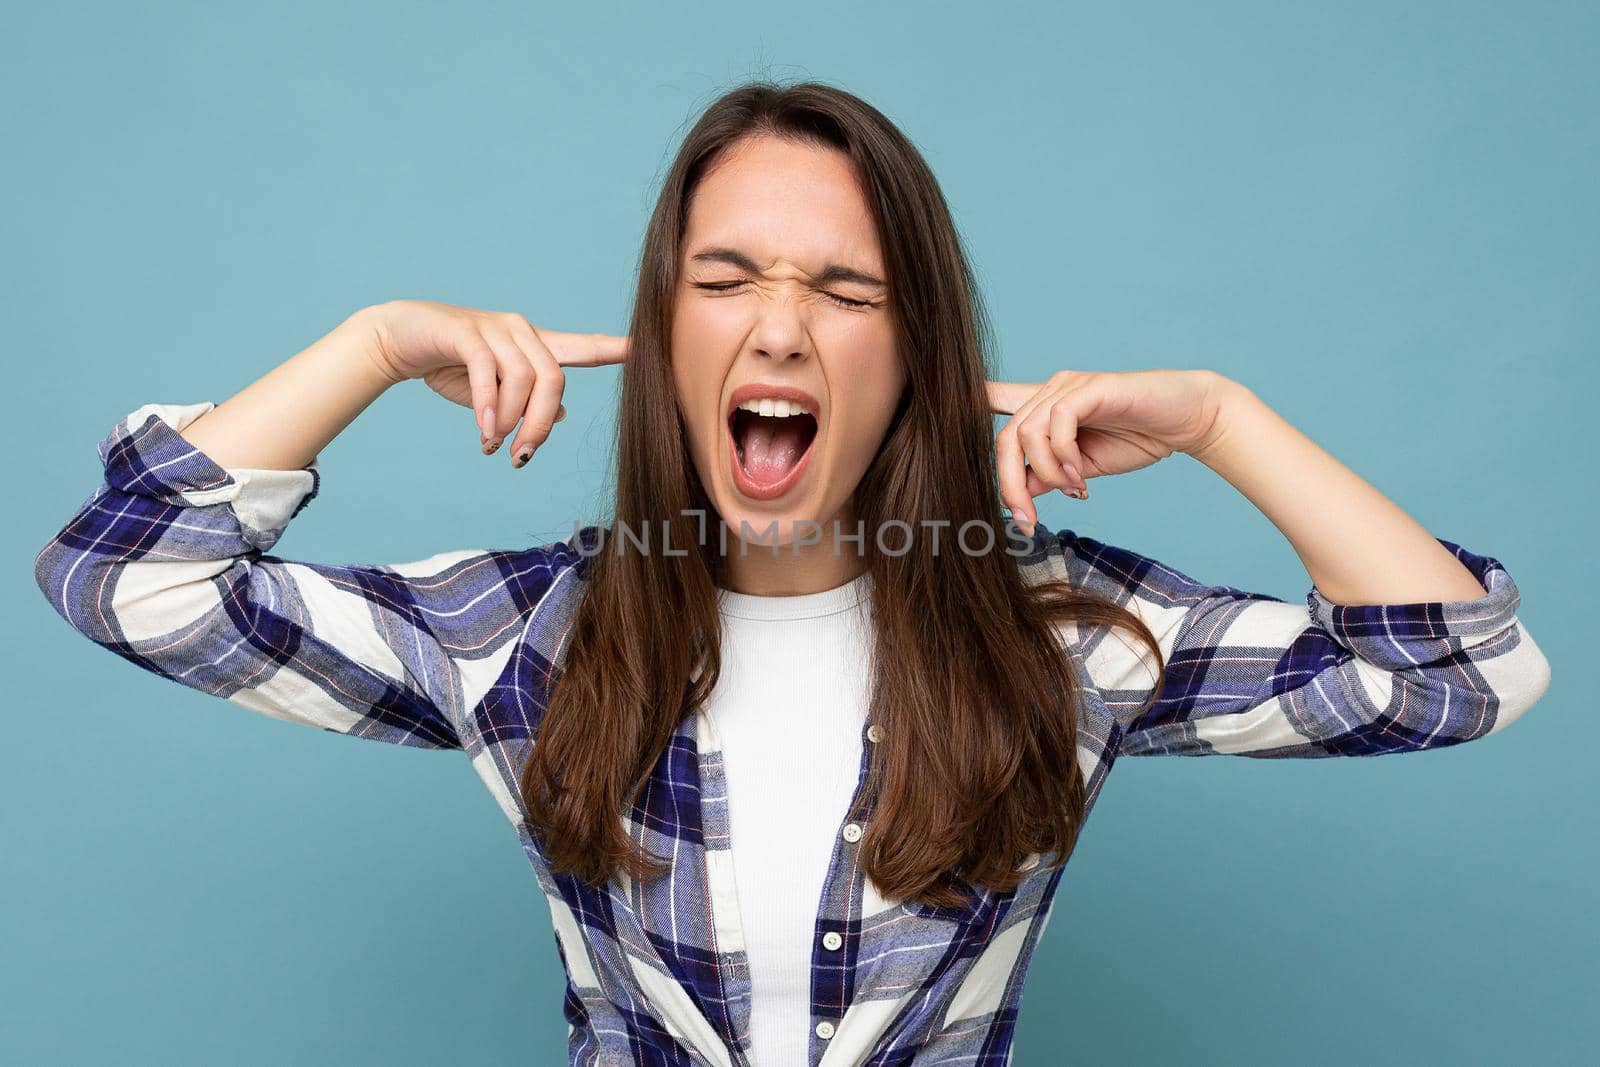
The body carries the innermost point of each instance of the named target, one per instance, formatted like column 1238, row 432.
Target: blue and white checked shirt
column 165, row 565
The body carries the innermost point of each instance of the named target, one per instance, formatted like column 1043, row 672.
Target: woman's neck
column 760, row 569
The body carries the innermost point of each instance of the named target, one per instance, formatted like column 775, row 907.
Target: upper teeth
column 769, row 406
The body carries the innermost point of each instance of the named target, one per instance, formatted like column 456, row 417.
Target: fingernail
column 491, row 447
column 525, row 455
column 561, row 413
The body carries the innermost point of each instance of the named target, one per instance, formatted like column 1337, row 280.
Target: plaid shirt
column 164, row 565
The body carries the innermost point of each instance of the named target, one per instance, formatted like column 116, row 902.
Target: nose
column 780, row 333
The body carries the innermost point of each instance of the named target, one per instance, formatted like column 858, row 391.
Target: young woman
column 798, row 741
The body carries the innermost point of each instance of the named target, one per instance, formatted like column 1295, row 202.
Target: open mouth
column 770, row 450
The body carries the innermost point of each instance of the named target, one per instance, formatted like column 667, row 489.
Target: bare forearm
column 1358, row 546
column 285, row 418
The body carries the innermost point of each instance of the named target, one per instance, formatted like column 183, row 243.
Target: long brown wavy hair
column 978, row 702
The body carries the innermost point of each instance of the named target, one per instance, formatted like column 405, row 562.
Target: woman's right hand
column 497, row 363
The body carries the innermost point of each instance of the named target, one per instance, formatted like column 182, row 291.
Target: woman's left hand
column 1088, row 424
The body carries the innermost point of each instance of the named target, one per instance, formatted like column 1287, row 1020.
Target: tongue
column 772, row 447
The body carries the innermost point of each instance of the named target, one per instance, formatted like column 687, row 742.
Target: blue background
column 1383, row 218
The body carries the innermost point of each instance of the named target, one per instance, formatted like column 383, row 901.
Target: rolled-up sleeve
column 165, row 565
column 1251, row 674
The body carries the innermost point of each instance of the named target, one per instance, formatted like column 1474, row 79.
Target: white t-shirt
column 790, row 706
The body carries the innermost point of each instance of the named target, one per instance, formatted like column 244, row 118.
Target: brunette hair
column 977, row 767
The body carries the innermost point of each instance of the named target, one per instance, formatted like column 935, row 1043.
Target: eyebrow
column 830, row 274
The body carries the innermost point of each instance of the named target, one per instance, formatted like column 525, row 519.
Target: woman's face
column 798, row 311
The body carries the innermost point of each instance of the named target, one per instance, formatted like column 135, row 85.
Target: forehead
column 777, row 199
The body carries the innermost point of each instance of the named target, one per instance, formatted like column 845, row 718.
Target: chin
column 782, row 523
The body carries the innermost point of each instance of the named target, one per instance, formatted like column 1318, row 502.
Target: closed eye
column 843, row 301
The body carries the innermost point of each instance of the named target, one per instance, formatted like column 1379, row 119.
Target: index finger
column 584, row 349
column 1006, row 397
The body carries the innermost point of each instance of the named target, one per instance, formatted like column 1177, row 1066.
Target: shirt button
column 824, row 1029
column 831, row 940
column 852, row 832
column 874, row 734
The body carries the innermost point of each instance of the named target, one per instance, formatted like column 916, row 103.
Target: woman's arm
column 165, row 563
column 1405, row 641
column 1358, row 546
column 284, row 419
